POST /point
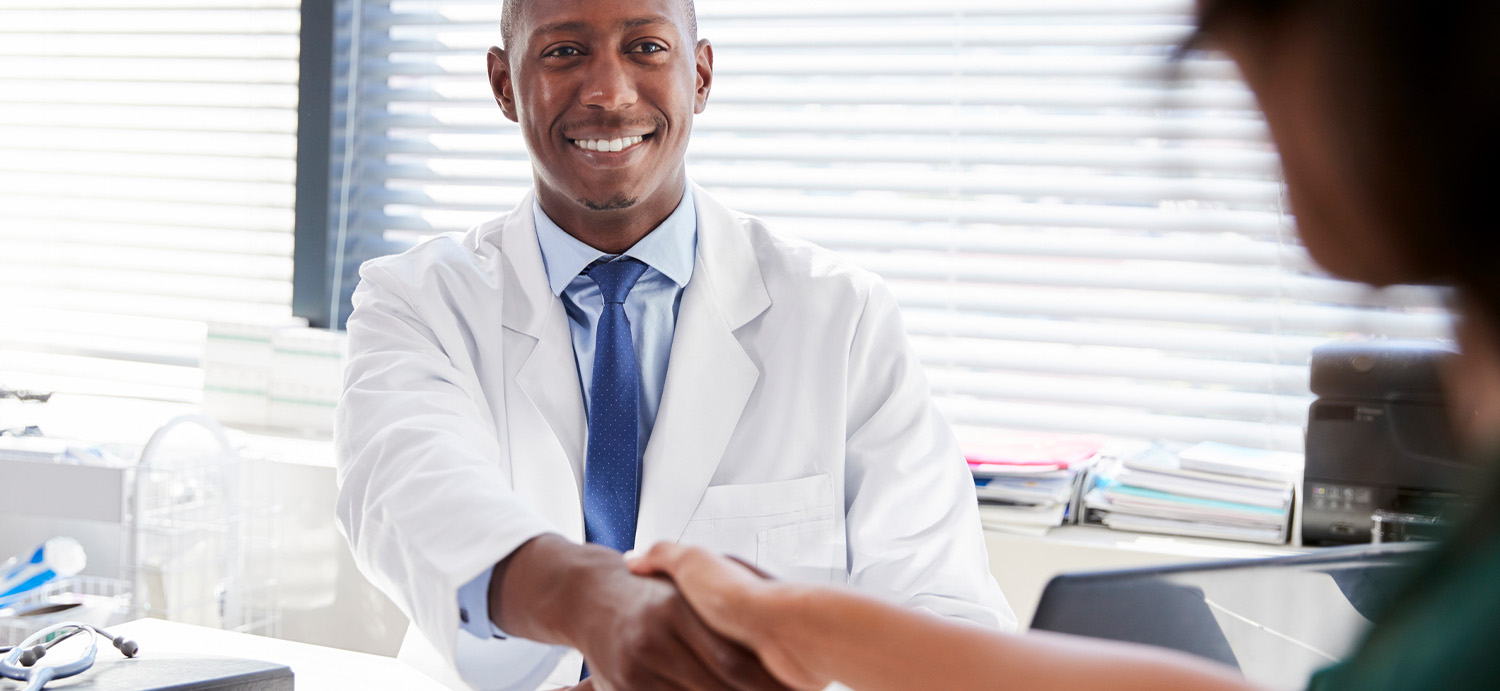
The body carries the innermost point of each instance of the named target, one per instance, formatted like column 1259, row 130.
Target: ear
column 502, row 83
column 705, row 68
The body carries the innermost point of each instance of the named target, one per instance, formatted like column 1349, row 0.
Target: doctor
column 621, row 360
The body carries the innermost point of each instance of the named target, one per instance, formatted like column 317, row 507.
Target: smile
column 608, row 145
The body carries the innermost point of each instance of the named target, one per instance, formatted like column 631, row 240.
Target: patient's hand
column 737, row 602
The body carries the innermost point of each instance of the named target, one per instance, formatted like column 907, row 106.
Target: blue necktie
column 612, row 472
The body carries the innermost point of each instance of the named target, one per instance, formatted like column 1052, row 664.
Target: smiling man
column 621, row 360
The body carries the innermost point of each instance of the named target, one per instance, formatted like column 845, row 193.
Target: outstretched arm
column 418, row 443
column 809, row 636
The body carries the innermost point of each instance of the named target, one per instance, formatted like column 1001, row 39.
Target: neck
column 613, row 230
column 1473, row 383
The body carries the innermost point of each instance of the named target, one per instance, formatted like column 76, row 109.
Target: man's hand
column 635, row 632
column 739, row 601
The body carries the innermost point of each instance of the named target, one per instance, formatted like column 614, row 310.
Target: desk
column 316, row 668
column 1023, row 564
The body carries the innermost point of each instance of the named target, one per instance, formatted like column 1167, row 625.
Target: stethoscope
column 19, row 661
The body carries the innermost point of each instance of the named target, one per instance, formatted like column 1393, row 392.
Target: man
column 619, row 361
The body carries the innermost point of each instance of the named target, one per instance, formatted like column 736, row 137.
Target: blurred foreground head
column 1387, row 117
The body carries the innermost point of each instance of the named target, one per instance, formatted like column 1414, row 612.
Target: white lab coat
column 796, row 431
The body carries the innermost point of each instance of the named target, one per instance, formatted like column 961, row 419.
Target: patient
column 1386, row 113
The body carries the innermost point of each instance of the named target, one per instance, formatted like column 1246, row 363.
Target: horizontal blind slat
column 40, row 210
column 1135, row 189
column 152, row 45
column 1116, row 304
column 1121, row 423
column 101, row 376
column 1129, row 396
column 458, row 37
column 445, row 118
column 129, row 120
column 923, row 92
column 1250, row 347
column 158, row 306
column 1127, row 364
column 104, row 235
column 450, row 12
column 59, row 21
column 936, row 153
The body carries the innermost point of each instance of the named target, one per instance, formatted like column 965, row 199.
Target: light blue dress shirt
column 668, row 253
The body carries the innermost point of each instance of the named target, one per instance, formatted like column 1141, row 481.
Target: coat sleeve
column 913, row 525
column 423, row 498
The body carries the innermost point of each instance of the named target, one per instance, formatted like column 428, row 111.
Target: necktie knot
column 616, row 278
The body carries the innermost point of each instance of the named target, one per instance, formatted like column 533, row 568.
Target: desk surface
column 316, row 668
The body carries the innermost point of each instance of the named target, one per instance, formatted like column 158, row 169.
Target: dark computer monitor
column 1278, row 620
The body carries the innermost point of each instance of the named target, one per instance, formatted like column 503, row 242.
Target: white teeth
column 608, row 144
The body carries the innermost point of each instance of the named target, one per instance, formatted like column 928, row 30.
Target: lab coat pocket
column 778, row 526
column 806, row 552
column 765, row 499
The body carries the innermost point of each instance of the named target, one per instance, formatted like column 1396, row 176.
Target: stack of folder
column 1031, row 484
column 1209, row 490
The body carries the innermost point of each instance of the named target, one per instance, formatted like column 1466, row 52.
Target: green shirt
column 1443, row 632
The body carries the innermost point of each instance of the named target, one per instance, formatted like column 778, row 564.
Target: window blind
column 1083, row 236
column 147, row 163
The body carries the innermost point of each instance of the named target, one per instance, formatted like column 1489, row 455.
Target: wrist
column 542, row 589
column 582, row 609
column 767, row 608
column 790, row 618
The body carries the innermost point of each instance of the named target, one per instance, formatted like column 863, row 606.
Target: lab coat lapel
column 545, row 421
column 709, row 375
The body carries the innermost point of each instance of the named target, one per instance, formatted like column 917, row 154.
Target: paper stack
column 1031, row 484
column 237, row 371
column 1209, row 490
column 283, row 376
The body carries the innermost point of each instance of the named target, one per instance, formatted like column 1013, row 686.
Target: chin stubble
column 614, row 203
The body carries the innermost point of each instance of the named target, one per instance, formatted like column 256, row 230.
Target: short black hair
column 511, row 7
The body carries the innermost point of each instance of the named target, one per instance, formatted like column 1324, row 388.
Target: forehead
column 596, row 16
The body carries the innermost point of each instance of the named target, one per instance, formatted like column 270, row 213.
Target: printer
column 1382, row 460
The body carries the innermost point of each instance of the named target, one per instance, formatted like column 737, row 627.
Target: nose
column 608, row 84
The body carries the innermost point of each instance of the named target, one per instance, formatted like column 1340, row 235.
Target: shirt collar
column 669, row 248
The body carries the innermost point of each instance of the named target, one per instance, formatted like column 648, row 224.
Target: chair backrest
column 1278, row 620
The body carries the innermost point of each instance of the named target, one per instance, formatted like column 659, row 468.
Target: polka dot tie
column 612, row 471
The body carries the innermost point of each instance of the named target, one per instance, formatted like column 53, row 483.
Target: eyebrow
column 560, row 27
column 579, row 26
column 639, row 22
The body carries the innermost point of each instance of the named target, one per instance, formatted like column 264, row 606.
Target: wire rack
column 204, row 550
column 205, row 536
column 199, row 544
column 89, row 599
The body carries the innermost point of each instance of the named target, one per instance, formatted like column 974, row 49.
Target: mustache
column 652, row 123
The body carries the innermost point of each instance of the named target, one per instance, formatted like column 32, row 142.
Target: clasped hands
column 685, row 618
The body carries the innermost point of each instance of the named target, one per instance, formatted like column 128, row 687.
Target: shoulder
column 470, row 253
column 792, row 267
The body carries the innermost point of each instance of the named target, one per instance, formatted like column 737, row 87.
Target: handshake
column 679, row 617
column 672, row 617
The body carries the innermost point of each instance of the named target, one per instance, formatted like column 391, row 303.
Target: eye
column 563, row 52
column 648, row 47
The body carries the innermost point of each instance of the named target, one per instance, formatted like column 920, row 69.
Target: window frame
column 312, row 280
